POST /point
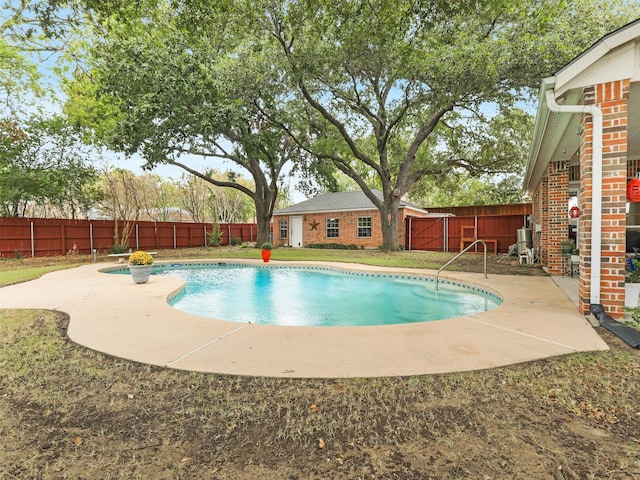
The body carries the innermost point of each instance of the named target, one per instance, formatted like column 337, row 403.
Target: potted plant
column 632, row 283
column 567, row 245
column 140, row 264
column 575, row 257
column 266, row 251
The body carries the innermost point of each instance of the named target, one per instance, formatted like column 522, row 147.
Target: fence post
column 446, row 234
column 137, row 239
column 91, row 236
column 205, row 235
column 175, row 245
column 475, row 224
column 33, row 243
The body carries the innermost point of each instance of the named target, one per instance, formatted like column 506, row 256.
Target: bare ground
column 68, row 412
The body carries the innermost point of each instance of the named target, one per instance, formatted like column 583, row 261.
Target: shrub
column 332, row 246
column 632, row 271
column 118, row 249
column 634, row 321
column 267, row 246
column 215, row 237
column 235, row 241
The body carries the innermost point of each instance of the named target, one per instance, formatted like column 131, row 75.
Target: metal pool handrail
column 460, row 254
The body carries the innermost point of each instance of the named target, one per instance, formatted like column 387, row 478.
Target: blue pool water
column 319, row 296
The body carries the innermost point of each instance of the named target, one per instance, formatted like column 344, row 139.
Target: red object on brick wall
column 574, row 212
column 633, row 190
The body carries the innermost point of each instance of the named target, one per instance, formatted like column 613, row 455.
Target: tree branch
column 206, row 178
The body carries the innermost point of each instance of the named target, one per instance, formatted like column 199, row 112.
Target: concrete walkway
column 112, row 315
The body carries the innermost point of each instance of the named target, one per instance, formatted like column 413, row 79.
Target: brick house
column 585, row 149
column 347, row 218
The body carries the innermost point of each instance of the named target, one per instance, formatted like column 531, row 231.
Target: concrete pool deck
column 112, row 315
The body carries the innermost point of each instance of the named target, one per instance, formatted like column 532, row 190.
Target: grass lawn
column 69, row 412
column 9, row 277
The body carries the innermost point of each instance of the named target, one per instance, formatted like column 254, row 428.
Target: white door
column 296, row 231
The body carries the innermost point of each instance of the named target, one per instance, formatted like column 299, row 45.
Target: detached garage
column 347, row 218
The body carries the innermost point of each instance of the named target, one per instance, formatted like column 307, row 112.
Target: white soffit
column 554, row 140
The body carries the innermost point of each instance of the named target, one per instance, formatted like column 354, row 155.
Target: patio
column 112, row 315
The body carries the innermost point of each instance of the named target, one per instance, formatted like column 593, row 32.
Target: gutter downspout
column 596, row 217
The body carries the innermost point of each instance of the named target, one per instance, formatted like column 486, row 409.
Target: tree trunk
column 389, row 223
column 263, row 218
column 263, row 231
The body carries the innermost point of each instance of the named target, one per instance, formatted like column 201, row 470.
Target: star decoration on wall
column 314, row 225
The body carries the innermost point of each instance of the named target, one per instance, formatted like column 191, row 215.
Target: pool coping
column 112, row 315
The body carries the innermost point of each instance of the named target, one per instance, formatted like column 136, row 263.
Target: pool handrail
column 460, row 254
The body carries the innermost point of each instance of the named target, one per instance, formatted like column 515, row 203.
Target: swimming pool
column 319, row 296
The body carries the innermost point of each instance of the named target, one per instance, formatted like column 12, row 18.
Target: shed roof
column 339, row 202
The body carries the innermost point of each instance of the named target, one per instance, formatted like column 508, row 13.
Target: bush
column 332, row 246
column 118, row 249
column 632, row 271
column 635, row 318
column 235, row 241
column 215, row 237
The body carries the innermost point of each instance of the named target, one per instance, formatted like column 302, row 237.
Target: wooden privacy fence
column 40, row 237
column 444, row 233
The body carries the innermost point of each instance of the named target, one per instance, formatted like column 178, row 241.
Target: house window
column 364, row 227
column 283, row 229
column 333, row 229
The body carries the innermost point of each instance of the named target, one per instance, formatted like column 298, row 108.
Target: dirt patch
column 68, row 412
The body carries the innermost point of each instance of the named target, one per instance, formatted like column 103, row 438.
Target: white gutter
column 596, row 216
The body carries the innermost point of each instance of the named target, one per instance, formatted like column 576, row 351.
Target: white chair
column 524, row 256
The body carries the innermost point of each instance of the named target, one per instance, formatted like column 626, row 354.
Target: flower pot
column 266, row 255
column 566, row 249
column 631, row 295
column 140, row 273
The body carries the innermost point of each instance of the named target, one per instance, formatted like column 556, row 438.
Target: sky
column 53, row 105
column 201, row 164
column 135, row 162
column 108, row 159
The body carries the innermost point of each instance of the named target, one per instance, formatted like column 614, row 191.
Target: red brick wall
column 612, row 98
column 539, row 212
column 314, row 228
column 558, row 214
column 551, row 196
column 348, row 229
column 544, row 236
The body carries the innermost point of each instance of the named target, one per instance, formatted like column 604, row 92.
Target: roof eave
column 561, row 82
column 598, row 50
column 355, row 209
column 532, row 175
